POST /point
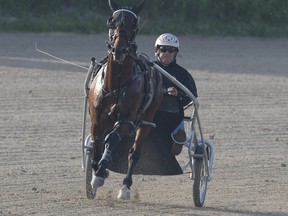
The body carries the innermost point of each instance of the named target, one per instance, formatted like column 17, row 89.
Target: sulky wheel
column 200, row 181
column 89, row 190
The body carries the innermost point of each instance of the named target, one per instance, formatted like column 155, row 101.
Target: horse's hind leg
column 133, row 157
column 134, row 153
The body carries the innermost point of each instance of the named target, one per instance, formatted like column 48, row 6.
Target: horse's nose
column 120, row 50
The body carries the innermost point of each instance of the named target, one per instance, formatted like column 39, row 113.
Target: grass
column 91, row 22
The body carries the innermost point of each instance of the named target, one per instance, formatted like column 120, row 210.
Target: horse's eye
column 111, row 23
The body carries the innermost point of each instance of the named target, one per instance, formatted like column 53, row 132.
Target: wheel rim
column 200, row 183
column 203, row 183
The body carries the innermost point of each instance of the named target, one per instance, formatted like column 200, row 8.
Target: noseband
column 123, row 23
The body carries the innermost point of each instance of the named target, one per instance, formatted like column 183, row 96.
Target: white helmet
column 167, row 39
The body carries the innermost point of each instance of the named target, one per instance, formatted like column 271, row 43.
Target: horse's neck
column 117, row 74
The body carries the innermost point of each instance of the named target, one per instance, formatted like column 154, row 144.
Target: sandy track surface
column 243, row 88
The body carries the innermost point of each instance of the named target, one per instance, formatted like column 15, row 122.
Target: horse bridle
column 118, row 21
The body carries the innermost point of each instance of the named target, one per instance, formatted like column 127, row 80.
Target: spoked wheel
column 89, row 190
column 200, row 182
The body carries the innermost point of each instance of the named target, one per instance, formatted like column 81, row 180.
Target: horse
column 123, row 98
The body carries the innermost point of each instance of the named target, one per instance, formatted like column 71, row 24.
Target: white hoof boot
column 124, row 193
column 97, row 181
column 93, row 192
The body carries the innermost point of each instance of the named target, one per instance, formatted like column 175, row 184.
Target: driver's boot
column 179, row 136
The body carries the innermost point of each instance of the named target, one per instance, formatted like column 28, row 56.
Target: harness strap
column 146, row 123
column 124, row 121
column 148, row 88
column 125, row 10
column 100, row 65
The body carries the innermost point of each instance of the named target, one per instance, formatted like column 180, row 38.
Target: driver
column 166, row 50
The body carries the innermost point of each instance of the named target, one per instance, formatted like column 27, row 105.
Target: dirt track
column 243, row 88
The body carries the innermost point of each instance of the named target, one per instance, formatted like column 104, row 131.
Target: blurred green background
column 259, row 18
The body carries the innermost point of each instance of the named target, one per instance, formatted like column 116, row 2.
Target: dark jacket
column 183, row 76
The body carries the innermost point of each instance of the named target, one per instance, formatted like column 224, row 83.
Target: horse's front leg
column 96, row 157
column 112, row 140
column 133, row 157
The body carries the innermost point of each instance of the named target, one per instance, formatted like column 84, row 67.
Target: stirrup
column 176, row 148
column 179, row 137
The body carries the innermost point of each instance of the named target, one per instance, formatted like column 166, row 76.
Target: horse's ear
column 113, row 5
column 137, row 8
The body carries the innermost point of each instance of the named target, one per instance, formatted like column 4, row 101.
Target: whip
column 60, row 59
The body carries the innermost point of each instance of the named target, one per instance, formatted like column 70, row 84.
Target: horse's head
column 123, row 27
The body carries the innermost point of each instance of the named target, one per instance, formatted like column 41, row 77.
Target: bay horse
column 123, row 99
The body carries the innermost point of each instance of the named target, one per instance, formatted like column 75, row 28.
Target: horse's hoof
column 97, row 181
column 93, row 192
column 106, row 174
column 124, row 193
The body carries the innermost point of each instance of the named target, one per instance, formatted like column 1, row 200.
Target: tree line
column 199, row 17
